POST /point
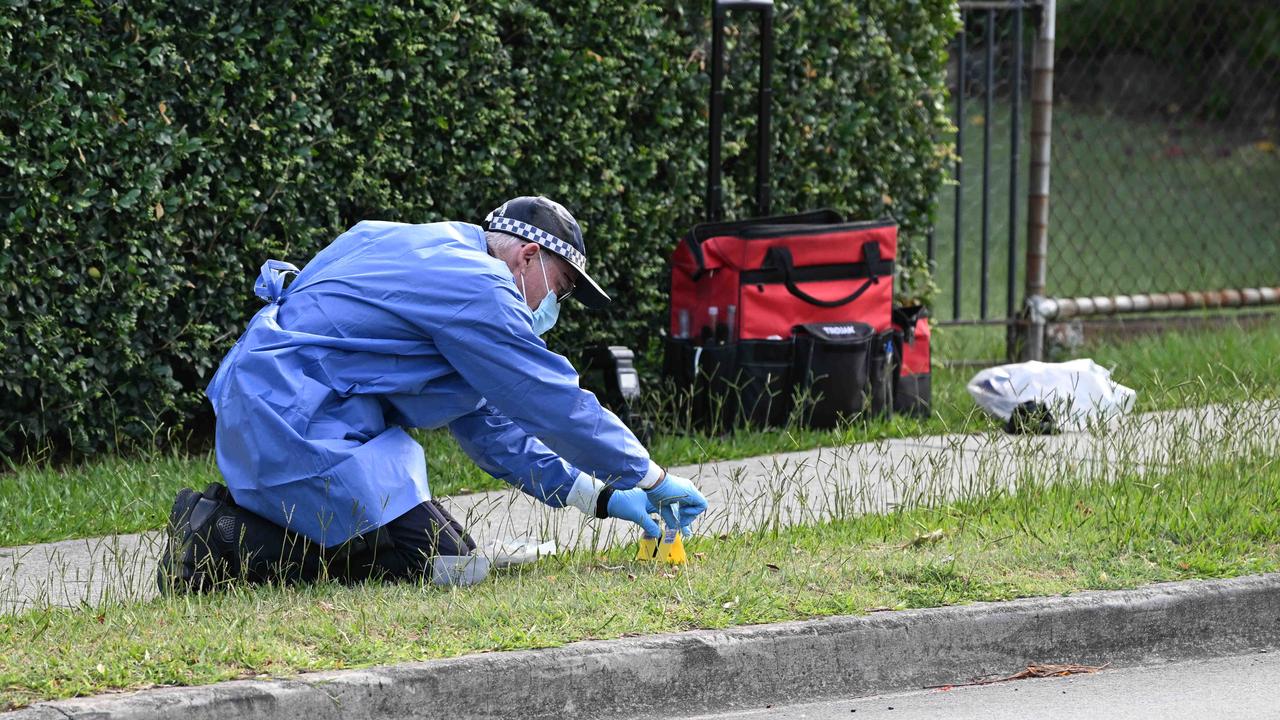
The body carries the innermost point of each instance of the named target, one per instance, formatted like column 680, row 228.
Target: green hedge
column 152, row 154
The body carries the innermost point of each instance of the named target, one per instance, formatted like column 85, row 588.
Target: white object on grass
column 460, row 570
column 1077, row 393
column 515, row 551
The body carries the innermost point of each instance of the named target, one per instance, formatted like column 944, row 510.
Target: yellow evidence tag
column 671, row 549
column 668, row 549
column 648, row 549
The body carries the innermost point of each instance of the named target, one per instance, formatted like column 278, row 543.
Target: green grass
column 1169, row 370
column 1135, row 207
column 124, row 495
column 1203, row 520
column 1180, row 369
column 115, row 495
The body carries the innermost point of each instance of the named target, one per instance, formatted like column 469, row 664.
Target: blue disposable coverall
column 394, row 326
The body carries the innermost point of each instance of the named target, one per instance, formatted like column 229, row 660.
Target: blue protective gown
column 394, row 326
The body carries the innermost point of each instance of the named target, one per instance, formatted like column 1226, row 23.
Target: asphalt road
column 1233, row 687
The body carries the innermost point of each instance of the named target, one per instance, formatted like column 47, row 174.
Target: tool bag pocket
column 733, row 385
column 759, row 392
column 680, row 363
column 913, row 394
column 833, row 371
column 748, row 384
column 882, row 373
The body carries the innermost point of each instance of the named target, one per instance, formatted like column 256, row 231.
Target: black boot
column 192, row 560
column 212, row 541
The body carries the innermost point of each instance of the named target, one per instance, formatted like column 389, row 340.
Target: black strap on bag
column 793, row 227
column 765, row 226
column 905, row 319
column 779, row 257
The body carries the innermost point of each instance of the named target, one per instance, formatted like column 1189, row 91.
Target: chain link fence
column 1165, row 170
column 1164, row 163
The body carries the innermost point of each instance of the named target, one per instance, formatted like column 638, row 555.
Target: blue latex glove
column 633, row 505
column 675, row 490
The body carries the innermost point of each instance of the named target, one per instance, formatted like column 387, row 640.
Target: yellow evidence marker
column 648, row 548
column 668, row 549
column 671, row 549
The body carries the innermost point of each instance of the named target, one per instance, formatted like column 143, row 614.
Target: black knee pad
column 449, row 535
column 403, row 548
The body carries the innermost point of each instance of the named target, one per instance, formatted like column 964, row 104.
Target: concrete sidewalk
column 785, row 489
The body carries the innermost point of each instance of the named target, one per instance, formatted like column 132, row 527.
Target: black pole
column 955, row 271
column 766, row 99
column 1015, row 134
column 988, row 91
column 714, row 206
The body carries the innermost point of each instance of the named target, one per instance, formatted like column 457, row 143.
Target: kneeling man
column 396, row 326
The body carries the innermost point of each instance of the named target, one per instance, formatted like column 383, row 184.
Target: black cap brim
column 542, row 221
column 587, row 291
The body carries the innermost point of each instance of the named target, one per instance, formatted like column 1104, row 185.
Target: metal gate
column 1161, row 140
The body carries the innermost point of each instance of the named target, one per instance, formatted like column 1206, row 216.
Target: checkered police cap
column 547, row 223
column 542, row 237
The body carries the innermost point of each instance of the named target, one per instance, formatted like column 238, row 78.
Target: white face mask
column 548, row 311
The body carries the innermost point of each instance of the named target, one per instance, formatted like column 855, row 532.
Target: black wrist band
column 602, row 502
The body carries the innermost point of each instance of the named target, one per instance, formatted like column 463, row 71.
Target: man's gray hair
column 500, row 243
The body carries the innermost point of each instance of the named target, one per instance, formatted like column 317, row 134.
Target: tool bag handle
column 780, row 257
column 777, row 223
column 766, row 225
column 719, row 8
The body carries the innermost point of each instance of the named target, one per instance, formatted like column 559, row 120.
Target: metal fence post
column 1015, row 335
column 1015, row 153
column 1038, row 182
column 957, row 271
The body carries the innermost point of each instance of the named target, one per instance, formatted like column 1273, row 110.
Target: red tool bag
column 759, row 279
column 746, row 294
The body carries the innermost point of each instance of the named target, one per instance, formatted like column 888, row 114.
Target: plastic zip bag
column 1074, row 394
column 516, row 551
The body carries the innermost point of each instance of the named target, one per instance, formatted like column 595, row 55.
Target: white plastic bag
column 516, row 551
column 1076, row 393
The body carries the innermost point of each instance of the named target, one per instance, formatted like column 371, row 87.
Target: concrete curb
column 708, row 670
